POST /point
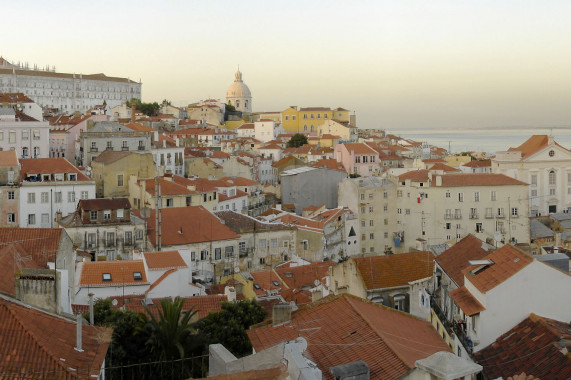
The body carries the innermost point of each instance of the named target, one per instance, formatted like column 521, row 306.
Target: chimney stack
column 281, row 313
column 79, row 332
column 133, row 113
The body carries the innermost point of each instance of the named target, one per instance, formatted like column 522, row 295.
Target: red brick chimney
column 133, row 113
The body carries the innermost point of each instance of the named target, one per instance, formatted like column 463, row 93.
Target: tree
column 149, row 109
column 228, row 326
column 297, row 140
column 166, row 102
column 230, row 107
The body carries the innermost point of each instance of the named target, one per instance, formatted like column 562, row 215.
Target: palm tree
column 169, row 334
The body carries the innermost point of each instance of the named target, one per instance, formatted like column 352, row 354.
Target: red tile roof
column 122, row 272
column 455, row 259
column 12, row 258
column 41, row 243
column 36, row 344
column 360, row 148
column 535, row 346
column 466, row 301
column 188, row 225
column 344, row 329
column 265, row 280
column 14, row 97
column 477, row 179
column 30, row 166
column 445, row 168
column 478, row 164
column 104, row 204
column 304, row 276
column 8, row 158
column 378, row 272
column 328, row 163
column 507, row 261
column 164, row 260
column 533, row 145
column 415, row 175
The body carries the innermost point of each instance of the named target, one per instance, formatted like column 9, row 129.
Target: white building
column 66, row 92
column 266, row 130
column 239, row 95
column 546, row 166
column 49, row 186
column 27, row 138
column 21, row 103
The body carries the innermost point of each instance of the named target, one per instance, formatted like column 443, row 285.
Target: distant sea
column 488, row 140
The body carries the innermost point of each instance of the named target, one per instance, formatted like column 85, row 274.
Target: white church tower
column 238, row 95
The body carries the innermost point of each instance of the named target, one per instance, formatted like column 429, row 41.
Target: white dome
column 238, row 89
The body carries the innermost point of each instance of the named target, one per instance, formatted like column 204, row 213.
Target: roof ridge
column 160, row 279
column 15, row 315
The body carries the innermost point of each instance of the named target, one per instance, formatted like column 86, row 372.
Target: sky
column 397, row 64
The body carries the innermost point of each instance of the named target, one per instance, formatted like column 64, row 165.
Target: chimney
column 91, row 315
column 358, row 370
column 281, row 313
column 78, row 332
column 230, row 293
column 132, row 113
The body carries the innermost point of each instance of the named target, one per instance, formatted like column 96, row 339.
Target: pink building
column 64, row 134
column 357, row 158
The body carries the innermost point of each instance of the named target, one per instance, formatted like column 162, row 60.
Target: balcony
column 93, row 149
column 474, row 215
column 447, row 216
column 449, row 329
column 457, row 216
column 500, row 215
column 489, row 216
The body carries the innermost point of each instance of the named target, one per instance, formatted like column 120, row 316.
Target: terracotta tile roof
column 8, row 158
column 14, row 97
column 330, row 136
column 455, row 259
column 41, row 243
column 304, row 276
column 36, row 344
column 415, row 175
column 12, row 258
column 239, row 181
column 533, row 145
column 434, row 161
column 359, row 148
column 478, row 164
column 328, row 163
column 239, row 193
column 139, row 127
column 167, row 187
column 380, row 272
column 164, row 260
column 246, row 126
column 265, row 280
column 30, row 166
column 507, row 261
column 301, row 222
column 445, row 168
column 104, row 204
column 284, row 161
column 477, row 179
column 535, row 346
column 189, row 225
column 299, row 296
column 344, row 329
column 271, row 146
column 465, row 301
column 241, row 223
column 122, row 272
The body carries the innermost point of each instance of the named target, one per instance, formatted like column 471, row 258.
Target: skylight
column 106, row 276
column 137, row 276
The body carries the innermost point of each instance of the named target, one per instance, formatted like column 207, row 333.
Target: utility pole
column 157, row 214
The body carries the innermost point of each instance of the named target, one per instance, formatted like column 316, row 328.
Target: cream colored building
column 112, row 169
column 434, row 208
column 373, row 201
column 348, row 133
column 546, row 166
column 239, row 95
column 209, row 113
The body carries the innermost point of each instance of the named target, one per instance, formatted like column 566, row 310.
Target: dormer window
column 106, row 276
column 72, row 177
column 107, row 214
column 58, row 177
column 137, row 276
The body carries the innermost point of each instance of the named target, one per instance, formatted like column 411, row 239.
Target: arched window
column 245, row 104
column 305, row 127
column 237, row 103
column 552, row 177
column 312, row 128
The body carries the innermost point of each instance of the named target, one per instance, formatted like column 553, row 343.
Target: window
column 399, row 193
column 386, row 235
column 362, row 223
column 139, row 234
column 217, row 253
column 479, row 227
column 407, row 211
column 45, row 219
column 370, row 195
column 229, row 251
column 370, row 209
column 500, row 212
column 58, row 197
column 84, row 195
column 31, row 197
column 36, row 134
column 447, row 195
column 124, row 144
column 12, row 137
column 25, row 135
column 460, row 197
column 551, row 153
column 71, row 196
column 362, row 196
column 120, row 213
column 534, row 193
column 362, row 210
column 31, row 219
column 262, row 260
column 448, row 226
column 106, row 276
column 514, row 212
column 273, row 243
column 385, row 208
column 128, row 237
column 170, row 202
column 370, row 223
column 120, row 180
column 473, row 213
column 357, row 159
column 551, row 191
column 534, row 179
column 11, row 218
column 109, row 145
column 552, row 177
column 399, row 211
column 137, row 276
column 203, row 254
column 371, row 236
column 45, row 197
column 11, row 195
column 477, row 196
column 262, row 243
column 385, row 195
column 493, row 195
column 458, row 236
column 107, row 214
column 192, row 256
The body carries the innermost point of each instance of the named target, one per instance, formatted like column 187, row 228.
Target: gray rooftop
column 560, row 216
column 539, row 230
column 7, row 111
column 556, row 260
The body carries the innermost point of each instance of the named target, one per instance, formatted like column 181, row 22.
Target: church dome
column 238, row 89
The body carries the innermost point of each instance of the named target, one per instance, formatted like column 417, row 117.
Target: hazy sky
column 397, row 64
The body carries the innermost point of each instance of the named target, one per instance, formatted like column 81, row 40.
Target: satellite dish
column 236, row 269
column 114, row 302
column 316, row 282
column 497, row 236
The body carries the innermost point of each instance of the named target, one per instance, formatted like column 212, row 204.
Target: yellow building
column 112, row 169
column 307, row 119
